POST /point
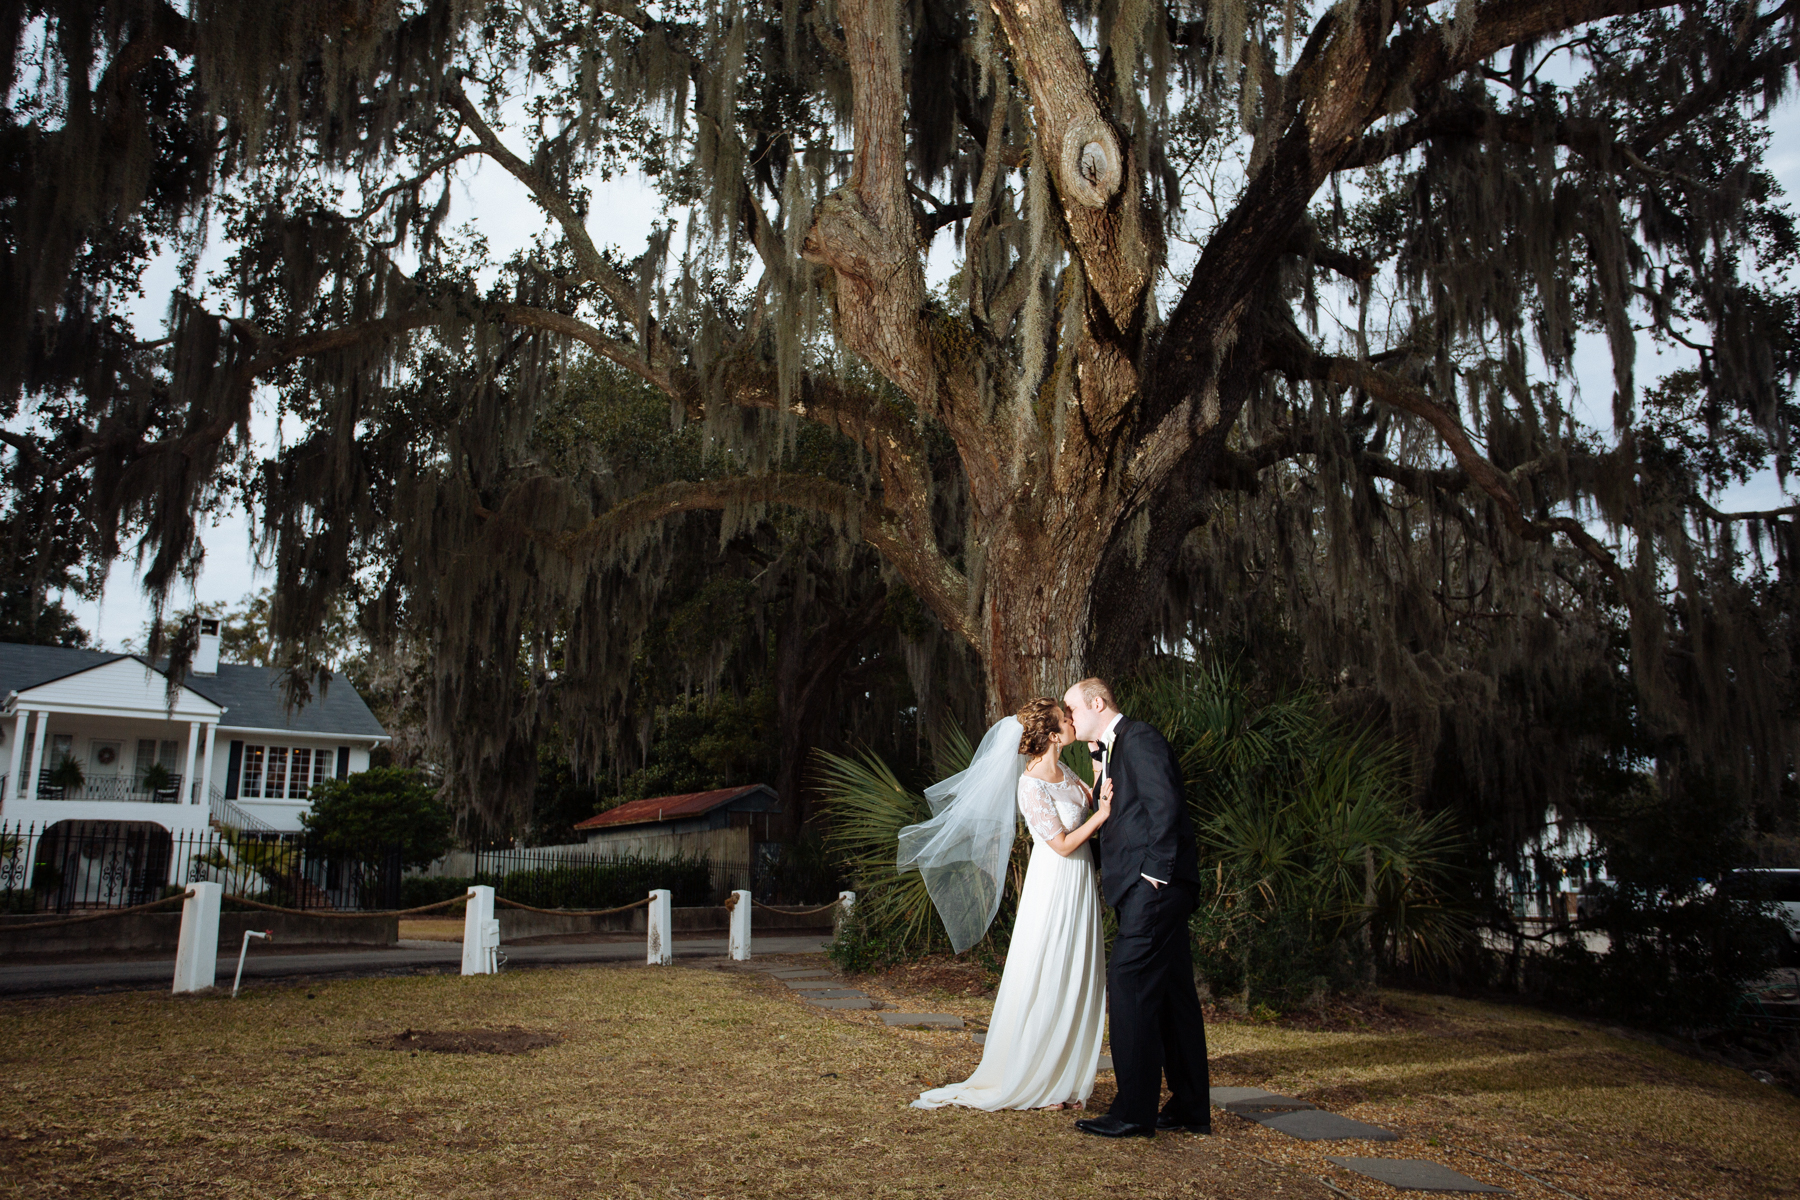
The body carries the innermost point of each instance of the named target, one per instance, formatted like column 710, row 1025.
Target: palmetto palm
column 1305, row 816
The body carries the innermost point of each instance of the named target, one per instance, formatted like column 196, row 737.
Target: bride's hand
column 1103, row 801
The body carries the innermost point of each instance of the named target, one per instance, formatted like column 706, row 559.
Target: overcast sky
column 624, row 211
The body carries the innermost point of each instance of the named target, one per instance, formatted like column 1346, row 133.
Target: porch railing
column 116, row 789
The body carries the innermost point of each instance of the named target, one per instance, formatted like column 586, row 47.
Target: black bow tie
column 1099, row 751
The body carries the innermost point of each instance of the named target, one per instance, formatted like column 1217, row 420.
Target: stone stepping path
column 1300, row 1119
column 1222, row 1096
column 819, row 988
column 1290, row 1115
column 1317, row 1125
column 1415, row 1175
column 928, row 1020
column 1259, row 1103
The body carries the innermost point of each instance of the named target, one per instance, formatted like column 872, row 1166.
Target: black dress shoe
column 1165, row 1121
column 1112, row 1127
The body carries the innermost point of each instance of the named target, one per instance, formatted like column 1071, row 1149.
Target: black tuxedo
column 1148, row 832
column 1157, row 1026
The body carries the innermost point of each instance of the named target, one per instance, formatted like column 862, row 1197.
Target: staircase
column 228, row 816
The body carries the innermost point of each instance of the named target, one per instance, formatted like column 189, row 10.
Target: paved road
column 408, row 958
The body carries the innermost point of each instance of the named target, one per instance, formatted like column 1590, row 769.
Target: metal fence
column 72, row 865
column 77, row 865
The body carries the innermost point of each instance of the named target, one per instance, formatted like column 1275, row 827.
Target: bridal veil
column 962, row 851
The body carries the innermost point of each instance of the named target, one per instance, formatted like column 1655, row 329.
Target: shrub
column 1321, row 864
column 372, row 811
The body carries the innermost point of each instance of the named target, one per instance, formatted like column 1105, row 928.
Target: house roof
column 669, row 808
column 251, row 695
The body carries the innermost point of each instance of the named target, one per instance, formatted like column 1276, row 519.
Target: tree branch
column 1092, row 163
column 592, row 264
column 1767, row 514
column 1397, row 393
column 935, row 578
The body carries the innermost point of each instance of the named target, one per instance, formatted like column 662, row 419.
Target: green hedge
column 577, row 885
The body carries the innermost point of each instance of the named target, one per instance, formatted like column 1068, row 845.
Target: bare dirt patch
column 512, row 1040
column 939, row 974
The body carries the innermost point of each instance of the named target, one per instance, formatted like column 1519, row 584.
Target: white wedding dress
column 1043, row 1041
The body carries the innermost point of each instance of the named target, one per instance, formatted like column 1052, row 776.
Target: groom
column 1149, row 873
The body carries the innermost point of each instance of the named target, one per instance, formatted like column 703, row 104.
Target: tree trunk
column 1037, row 601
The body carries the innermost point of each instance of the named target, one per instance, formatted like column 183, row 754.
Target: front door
column 105, row 761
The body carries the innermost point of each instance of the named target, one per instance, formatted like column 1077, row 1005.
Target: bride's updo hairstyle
column 1042, row 721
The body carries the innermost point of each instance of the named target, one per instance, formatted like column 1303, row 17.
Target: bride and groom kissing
column 1043, row 1040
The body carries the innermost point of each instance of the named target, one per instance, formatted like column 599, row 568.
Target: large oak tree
column 1254, row 307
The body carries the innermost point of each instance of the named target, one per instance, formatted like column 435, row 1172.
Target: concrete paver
column 1414, row 1174
column 930, row 1020
column 1317, row 1125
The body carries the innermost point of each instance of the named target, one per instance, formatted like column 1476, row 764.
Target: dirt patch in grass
column 470, row 1041
column 939, row 974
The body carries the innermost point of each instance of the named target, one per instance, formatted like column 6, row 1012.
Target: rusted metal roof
column 669, row 808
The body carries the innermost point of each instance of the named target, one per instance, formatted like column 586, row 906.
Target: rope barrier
column 730, row 906
column 99, row 916
column 574, row 912
column 793, row 912
column 328, row 912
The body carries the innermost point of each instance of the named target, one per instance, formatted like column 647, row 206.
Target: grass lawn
column 693, row 1081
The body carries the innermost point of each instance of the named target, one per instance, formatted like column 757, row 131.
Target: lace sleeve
column 1038, row 811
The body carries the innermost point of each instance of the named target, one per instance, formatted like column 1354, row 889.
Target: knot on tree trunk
column 844, row 238
column 1092, row 165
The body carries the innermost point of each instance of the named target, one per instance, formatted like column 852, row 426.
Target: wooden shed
column 725, row 825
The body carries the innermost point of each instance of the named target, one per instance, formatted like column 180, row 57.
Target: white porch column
column 212, row 732
column 16, row 757
column 740, row 926
column 660, row 942
column 37, row 754
column 197, row 955
column 481, row 932
column 846, row 902
column 187, row 770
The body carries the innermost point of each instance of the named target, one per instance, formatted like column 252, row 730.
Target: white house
column 230, row 751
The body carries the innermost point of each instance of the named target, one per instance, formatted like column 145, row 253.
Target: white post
column 197, row 955
column 205, row 796
column 846, row 902
column 187, row 771
column 740, row 927
column 661, row 927
column 478, row 913
column 17, row 757
column 37, row 756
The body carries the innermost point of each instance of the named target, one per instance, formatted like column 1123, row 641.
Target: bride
column 1043, row 1041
